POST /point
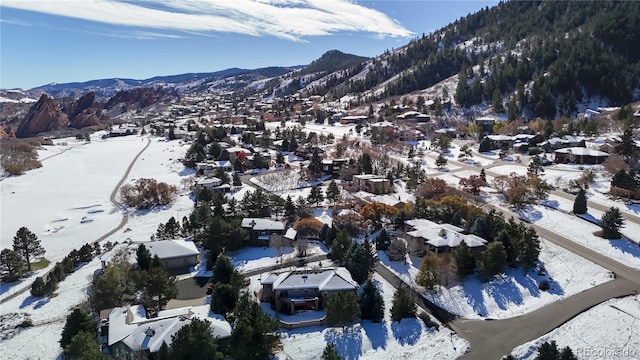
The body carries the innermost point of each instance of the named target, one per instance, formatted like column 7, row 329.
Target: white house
column 132, row 334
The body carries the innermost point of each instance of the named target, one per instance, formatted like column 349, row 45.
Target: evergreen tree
column 611, row 222
column 143, row 256
column 323, row 233
column 195, row 341
column 429, row 273
column 441, row 161
column 332, row 191
column 465, row 263
column 38, row 287
column 535, row 166
column 84, row 346
column 77, row 321
column 365, row 164
column 236, row 179
column 548, row 351
column 371, row 303
column 342, row 308
column 493, row 259
column 481, row 227
column 159, row 287
column 580, row 203
column 483, row 175
column 360, row 260
column 289, row 209
column 316, row 162
column 403, row 305
column 382, row 240
column 255, row 334
column 11, row 265
column 567, row 354
column 223, row 270
column 485, row 145
column 223, row 298
column 315, row 196
column 27, row 245
column 330, row 352
column 340, row 245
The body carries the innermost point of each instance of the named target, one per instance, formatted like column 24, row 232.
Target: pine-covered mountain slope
column 532, row 58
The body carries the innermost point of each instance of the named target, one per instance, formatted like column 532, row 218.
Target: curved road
column 113, row 198
column 493, row 339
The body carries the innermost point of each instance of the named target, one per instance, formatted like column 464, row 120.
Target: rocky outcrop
column 85, row 111
column 140, row 98
column 45, row 115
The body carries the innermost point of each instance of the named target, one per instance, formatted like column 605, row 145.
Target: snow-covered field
column 515, row 293
column 66, row 204
column 617, row 324
column 409, row 339
column 581, row 232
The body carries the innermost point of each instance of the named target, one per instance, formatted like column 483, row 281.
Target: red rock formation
column 45, row 115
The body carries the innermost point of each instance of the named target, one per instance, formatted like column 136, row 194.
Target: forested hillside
column 543, row 57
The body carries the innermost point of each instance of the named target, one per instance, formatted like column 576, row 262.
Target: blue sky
column 44, row 41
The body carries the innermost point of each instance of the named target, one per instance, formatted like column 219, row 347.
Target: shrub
column 427, row 320
column 14, row 169
column 544, row 285
column 147, row 193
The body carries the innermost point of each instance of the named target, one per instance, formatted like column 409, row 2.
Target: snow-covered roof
column 168, row 249
column 581, row 151
column 413, row 115
column 290, row 234
column 140, row 333
column 442, row 235
column 208, row 181
column 500, row 137
column 334, row 279
column 259, row 224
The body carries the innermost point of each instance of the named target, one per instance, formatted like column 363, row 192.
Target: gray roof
column 168, row 249
column 260, row 224
column 334, row 279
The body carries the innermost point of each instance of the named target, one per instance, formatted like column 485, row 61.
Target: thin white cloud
column 287, row 19
column 15, row 22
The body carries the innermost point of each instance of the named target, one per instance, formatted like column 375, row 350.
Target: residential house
column 428, row 236
column 353, row 119
column 414, row 116
column 372, row 183
column 131, row 335
column 210, row 183
column 303, row 290
column 580, row 155
column 206, row 168
column 333, row 166
column 411, row 135
column 262, row 228
column 174, row 254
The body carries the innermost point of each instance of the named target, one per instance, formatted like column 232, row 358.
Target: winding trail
column 114, row 200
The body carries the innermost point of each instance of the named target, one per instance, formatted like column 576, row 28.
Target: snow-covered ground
column 66, row 204
column 514, row 293
column 582, row 232
column 409, row 339
column 255, row 258
column 617, row 322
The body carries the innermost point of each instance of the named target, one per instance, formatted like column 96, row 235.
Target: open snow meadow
column 617, row 336
column 66, row 203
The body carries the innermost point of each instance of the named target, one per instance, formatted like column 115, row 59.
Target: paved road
column 113, row 198
column 494, row 339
